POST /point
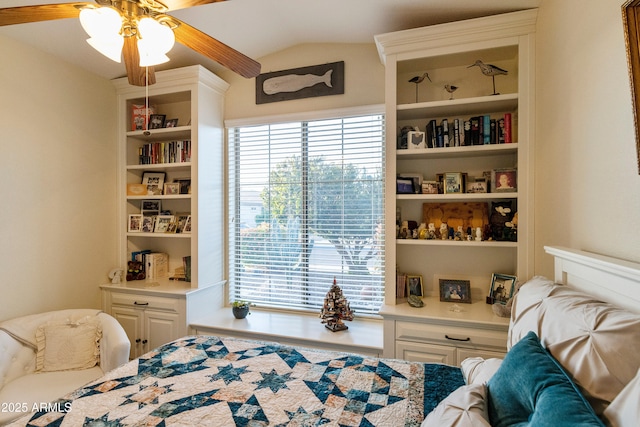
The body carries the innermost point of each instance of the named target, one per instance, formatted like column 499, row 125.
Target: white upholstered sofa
column 47, row 355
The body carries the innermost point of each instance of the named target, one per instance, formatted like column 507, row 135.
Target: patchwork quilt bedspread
column 215, row 381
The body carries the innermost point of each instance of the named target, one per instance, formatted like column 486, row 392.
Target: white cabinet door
column 160, row 328
column 131, row 320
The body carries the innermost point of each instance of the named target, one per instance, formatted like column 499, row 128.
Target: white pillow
column 465, row 407
column 68, row 345
column 477, row 370
column 624, row 410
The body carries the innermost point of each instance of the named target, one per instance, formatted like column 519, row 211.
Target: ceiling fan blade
column 183, row 4
column 43, row 12
column 216, row 50
column 136, row 74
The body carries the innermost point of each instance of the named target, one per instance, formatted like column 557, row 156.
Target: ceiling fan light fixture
column 111, row 47
column 101, row 22
column 156, row 39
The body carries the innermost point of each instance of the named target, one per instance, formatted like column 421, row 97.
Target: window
column 306, row 206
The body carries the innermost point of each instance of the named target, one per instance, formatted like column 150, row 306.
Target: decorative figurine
column 489, row 70
column 431, row 231
column 422, row 231
column 478, row 234
column 450, row 89
column 444, row 231
column 459, row 234
column 417, row 80
column 335, row 309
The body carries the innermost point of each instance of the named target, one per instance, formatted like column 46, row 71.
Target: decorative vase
column 240, row 312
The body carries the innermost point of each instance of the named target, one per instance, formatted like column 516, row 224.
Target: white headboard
column 608, row 279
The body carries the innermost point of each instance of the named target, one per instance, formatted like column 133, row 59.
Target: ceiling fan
column 137, row 24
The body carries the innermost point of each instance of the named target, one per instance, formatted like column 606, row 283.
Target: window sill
column 363, row 336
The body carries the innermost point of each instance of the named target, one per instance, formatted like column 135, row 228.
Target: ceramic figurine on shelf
column 478, row 234
column 335, row 309
column 444, row 231
column 459, row 235
column 450, row 89
column 431, row 231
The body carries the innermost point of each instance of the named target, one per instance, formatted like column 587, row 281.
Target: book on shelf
column 486, row 129
column 432, row 134
column 507, row 129
column 165, row 152
column 156, row 265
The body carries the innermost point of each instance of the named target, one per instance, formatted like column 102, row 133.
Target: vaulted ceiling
column 261, row 27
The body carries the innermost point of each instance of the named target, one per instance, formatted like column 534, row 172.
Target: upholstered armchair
column 47, row 355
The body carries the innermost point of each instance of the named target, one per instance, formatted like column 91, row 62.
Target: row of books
column 154, row 264
column 477, row 130
column 165, row 152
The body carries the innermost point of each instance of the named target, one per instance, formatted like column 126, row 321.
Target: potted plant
column 240, row 308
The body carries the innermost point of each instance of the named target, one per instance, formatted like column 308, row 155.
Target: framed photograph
column 453, row 183
column 502, row 286
column 154, row 182
column 135, row 223
column 430, row 187
column 173, row 227
column 162, row 223
column 171, row 123
column 504, row 180
column 171, row 189
column 455, row 291
column 415, row 140
column 148, row 223
column 150, row 207
column 156, row 121
column 187, row 225
column 478, row 185
column 181, row 220
column 404, row 186
column 136, row 190
column 185, row 185
column 414, row 285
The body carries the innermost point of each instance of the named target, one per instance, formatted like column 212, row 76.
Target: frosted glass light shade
column 103, row 25
column 155, row 41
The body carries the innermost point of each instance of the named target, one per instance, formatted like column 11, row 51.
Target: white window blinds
column 307, row 205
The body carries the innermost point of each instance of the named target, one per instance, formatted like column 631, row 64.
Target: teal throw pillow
column 531, row 388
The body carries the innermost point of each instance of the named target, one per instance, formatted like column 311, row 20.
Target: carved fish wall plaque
column 298, row 83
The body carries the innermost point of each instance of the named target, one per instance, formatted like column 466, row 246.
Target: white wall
column 363, row 72
column 587, row 183
column 58, row 169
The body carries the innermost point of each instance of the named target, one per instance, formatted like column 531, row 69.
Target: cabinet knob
column 144, row 341
column 457, row 339
column 138, row 341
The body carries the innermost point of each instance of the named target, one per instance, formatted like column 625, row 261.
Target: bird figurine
column 489, row 70
column 417, row 80
column 450, row 89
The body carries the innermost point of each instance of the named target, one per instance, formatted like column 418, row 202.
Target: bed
column 583, row 325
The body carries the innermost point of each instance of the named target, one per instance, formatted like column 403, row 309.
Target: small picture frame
column 476, row 186
column 455, row 291
column 156, row 121
column 430, row 187
column 502, row 286
column 154, row 182
column 135, row 223
column 416, row 140
column 162, row 223
column 404, row 186
column 171, row 189
column 415, row 286
column 148, row 223
column 504, row 180
column 136, row 190
column 150, row 207
column 181, row 220
column 185, row 185
column 171, row 123
column 187, row 225
column 454, row 183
